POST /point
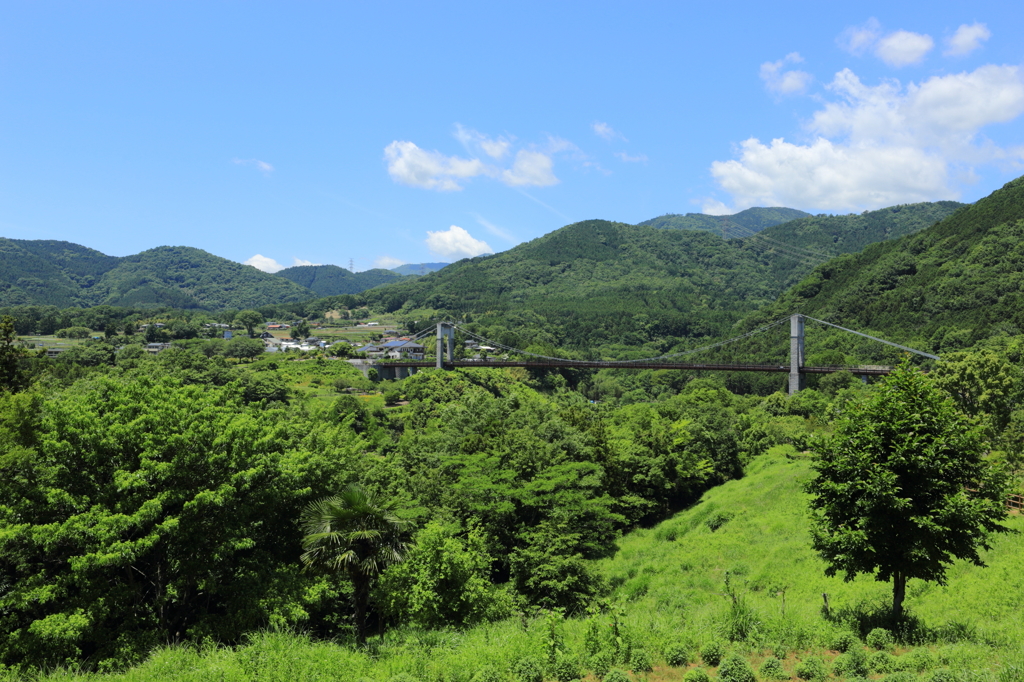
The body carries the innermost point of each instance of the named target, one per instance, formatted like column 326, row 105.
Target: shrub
column 640, row 661
column 566, row 669
column 879, row 638
column 616, row 676
column 697, row 675
column 402, row 677
column 919, row 660
column 712, row 653
column 844, row 641
column 677, row 655
column 717, row 520
column 771, row 669
column 601, row 663
column 735, row 669
column 882, row 662
column 812, row 668
column 853, row 663
column 528, row 669
column 902, row 676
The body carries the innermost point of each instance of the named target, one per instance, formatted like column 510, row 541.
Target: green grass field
column 670, row 589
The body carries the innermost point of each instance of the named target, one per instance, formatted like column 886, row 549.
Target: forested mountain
column 739, row 225
column 957, row 282
column 418, row 268
column 331, row 280
column 66, row 274
column 597, row 283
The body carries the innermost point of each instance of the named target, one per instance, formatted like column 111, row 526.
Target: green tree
column 244, row 348
column 249, row 319
column 902, row 489
column 11, row 375
column 301, row 330
column 355, row 532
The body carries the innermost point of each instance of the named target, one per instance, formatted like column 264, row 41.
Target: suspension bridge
column 796, row 369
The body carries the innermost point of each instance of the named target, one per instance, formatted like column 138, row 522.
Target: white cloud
column 456, row 242
column 605, row 131
column 902, row 48
column 410, row 165
column 639, row 158
column 472, row 140
column 263, row 263
column 530, row 169
column 298, row 261
column 782, row 82
column 967, row 39
column 859, row 39
column 387, row 262
column 261, row 166
column 874, row 146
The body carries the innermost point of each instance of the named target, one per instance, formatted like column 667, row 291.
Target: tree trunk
column 361, row 598
column 899, row 591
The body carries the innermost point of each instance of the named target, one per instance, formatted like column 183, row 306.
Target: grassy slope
column 671, row 591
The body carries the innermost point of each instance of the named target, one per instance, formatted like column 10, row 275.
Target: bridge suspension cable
column 868, row 336
column 629, row 362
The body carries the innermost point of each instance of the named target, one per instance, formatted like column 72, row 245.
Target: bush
column 528, row 669
column 771, row 669
column 697, row 675
column 601, row 663
column 677, row 655
column 735, row 669
column 812, row 668
column 616, row 676
column 567, row 669
column 852, row 663
column 919, row 660
column 844, row 641
column 942, row 675
column 902, row 676
column 882, row 662
column 880, row 639
column 392, row 398
column 712, row 653
column 640, row 661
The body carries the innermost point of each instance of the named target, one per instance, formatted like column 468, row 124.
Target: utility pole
column 796, row 353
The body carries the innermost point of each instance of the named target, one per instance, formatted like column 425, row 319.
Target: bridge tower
column 445, row 330
column 796, row 353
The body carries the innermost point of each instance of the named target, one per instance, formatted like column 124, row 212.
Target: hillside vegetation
column 738, row 225
column 331, row 280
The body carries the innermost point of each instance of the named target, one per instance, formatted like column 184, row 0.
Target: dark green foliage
column 12, row 375
column 882, row 662
column 712, row 653
column 488, row 673
column 601, row 663
column 844, row 641
column 717, row 520
column 942, row 675
column 812, row 668
column 331, row 280
column 616, row 676
column 735, row 669
column 853, row 663
column 879, row 638
column 771, row 669
column 528, row 669
column 143, row 512
column 73, row 333
column 889, row 497
column 919, row 660
column 697, row 675
column 900, row 676
column 677, row 655
column 640, row 661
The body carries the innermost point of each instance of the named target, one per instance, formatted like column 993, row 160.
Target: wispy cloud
column 606, row 132
column 639, row 158
column 897, row 49
column 494, row 229
column 780, row 81
column 261, row 166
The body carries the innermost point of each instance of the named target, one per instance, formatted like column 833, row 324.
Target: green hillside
column 418, row 268
column 942, row 288
column 739, row 225
column 331, row 280
column 48, row 272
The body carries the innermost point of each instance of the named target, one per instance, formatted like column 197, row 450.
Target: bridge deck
column 602, row 364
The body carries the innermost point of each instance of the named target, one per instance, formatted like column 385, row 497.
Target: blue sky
column 324, row 132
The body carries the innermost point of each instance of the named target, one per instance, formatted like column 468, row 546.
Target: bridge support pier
column 796, row 353
column 445, row 331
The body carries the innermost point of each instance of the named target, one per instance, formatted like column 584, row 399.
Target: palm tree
column 355, row 532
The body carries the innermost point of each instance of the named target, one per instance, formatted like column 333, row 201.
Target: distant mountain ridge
column 741, row 224
column 332, row 280
column 418, row 268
